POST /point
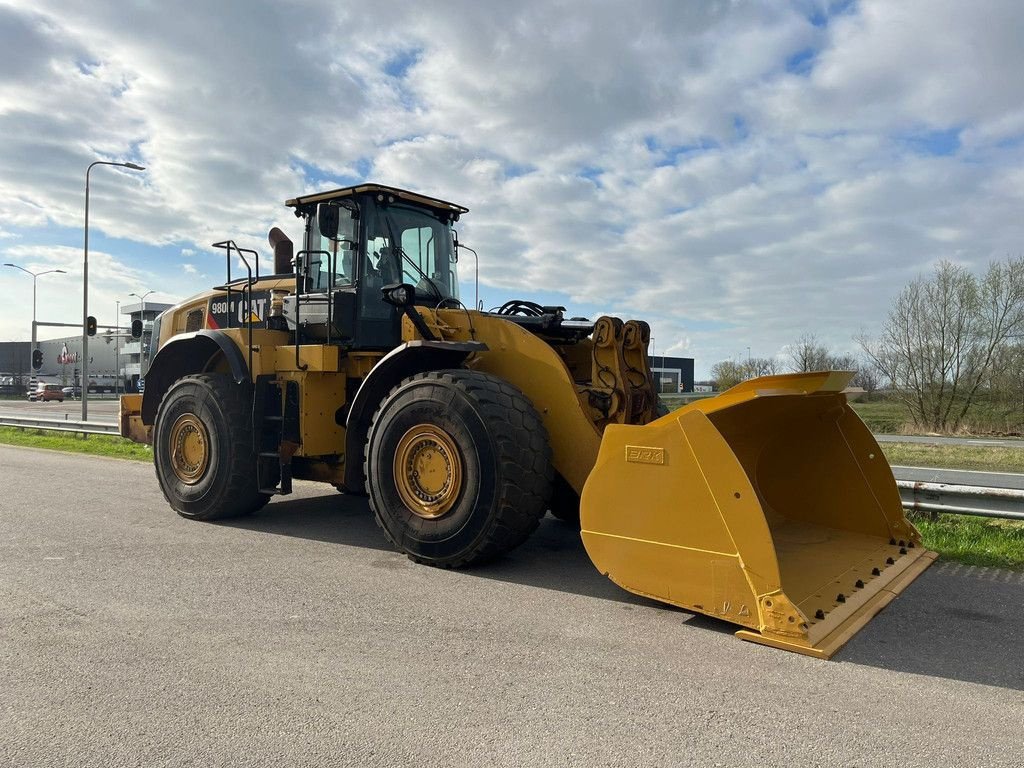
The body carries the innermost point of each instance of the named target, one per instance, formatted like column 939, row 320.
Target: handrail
column 228, row 246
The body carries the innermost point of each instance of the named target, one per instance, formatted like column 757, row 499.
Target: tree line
column 951, row 342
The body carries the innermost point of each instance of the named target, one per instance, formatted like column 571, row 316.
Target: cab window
column 339, row 256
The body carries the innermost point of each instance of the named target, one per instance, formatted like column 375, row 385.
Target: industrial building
column 115, row 358
column 672, row 374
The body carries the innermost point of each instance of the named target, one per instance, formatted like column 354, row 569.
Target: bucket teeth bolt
column 892, row 542
column 903, row 550
column 889, row 561
column 840, row 598
column 875, row 572
column 859, row 584
column 819, row 614
column 903, row 543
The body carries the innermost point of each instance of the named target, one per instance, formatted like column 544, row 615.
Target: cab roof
column 395, row 192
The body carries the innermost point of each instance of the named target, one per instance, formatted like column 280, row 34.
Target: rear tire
column 203, row 448
column 458, row 467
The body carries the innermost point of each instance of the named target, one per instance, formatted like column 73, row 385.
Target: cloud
column 737, row 174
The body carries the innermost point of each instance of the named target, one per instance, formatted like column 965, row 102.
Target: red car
column 46, row 392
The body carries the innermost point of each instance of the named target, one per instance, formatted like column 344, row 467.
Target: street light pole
column 117, row 348
column 85, row 284
column 32, row 381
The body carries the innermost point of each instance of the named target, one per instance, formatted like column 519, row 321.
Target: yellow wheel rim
column 428, row 470
column 190, row 448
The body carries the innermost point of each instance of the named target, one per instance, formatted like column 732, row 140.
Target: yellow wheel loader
column 356, row 364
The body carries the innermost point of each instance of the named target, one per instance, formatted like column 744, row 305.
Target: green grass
column 974, row 540
column 885, row 417
column 977, row 457
column 98, row 445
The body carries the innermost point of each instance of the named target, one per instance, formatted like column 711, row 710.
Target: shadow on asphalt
column 333, row 518
column 953, row 622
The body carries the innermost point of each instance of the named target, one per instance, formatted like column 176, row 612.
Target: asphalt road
column 130, row 636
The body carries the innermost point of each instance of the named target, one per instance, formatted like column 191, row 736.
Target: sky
column 739, row 174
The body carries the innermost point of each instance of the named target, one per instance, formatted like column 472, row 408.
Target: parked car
column 73, row 392
column 47, row 392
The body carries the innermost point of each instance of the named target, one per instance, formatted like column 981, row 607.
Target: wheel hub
column 428, row 470
column 190, row 448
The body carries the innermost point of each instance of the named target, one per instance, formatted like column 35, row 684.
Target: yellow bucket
column 770, row 506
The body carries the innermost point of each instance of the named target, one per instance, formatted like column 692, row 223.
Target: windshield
column 424, row 256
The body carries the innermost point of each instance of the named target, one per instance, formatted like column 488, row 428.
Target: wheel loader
column 357, row 364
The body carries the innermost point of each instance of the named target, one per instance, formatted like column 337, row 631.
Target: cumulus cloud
column 739, row 174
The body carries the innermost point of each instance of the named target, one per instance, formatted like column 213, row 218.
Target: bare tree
column 943, row 335
column 868, row 377
column 760, row 366
column 808, row 354
column 1006, row 385
column 728, row 373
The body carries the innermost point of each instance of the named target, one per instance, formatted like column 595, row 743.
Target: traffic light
column 37, row 359
column 136, row 329
column 90, row 326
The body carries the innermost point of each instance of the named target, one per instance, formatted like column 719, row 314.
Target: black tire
column 502, row 450
column 565, row 502
column 226, row 485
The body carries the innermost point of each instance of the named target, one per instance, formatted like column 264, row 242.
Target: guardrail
column 1005, row 503
column 61, row 425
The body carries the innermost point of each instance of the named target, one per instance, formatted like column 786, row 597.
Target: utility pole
column 117, row 348
column 85, row 285
column 35, row 345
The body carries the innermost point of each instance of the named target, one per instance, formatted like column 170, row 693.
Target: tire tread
column 523, row 452
column 242, row 497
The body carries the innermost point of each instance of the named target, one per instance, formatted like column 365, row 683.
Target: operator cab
column 359, row 240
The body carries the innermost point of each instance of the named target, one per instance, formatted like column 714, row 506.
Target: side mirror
column 329, row 219
column 136, row 329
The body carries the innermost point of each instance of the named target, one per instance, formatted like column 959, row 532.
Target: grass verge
column 977, row 457
column 98, row 445
column 882, row 416
column 975, row 540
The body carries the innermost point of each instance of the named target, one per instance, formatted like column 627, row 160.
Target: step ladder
column 275, row 433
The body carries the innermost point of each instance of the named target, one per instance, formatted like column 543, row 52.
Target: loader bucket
column 770, row 506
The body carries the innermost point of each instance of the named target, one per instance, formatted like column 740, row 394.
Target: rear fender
column 186, row 354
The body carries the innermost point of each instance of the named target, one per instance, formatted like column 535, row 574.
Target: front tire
column 203, row 448
column 458, row 467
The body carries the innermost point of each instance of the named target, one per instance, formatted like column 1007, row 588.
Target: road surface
column 130, row 636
